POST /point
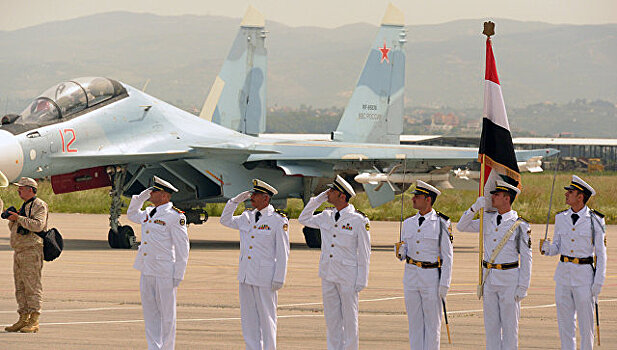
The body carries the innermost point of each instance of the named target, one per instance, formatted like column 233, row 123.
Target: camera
column 5, row 214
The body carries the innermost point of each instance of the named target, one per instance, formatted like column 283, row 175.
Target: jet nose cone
column 11, row 158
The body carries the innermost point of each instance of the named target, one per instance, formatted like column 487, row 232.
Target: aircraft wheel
column 112, row 239
column 312, row 236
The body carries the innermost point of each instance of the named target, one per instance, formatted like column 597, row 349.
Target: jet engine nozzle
column 11, row 158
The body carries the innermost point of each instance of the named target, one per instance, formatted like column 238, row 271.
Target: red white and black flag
column 496, row 149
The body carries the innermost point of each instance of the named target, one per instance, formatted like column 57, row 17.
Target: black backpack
column 52, row 244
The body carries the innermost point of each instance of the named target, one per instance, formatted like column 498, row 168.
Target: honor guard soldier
column 579, row 235
column 162, row 258
column 507, row 240
column 344, row 260
column 264, row 250
column 426, row 246
column 28, row 256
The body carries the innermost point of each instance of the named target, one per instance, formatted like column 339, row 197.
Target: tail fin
column 237, row 99
column 374, row 113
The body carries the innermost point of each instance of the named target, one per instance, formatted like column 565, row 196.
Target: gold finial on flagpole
column 489, row 29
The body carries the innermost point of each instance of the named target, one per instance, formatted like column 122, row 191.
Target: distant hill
column 537, row 62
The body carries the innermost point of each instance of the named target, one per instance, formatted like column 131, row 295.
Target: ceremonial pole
column 445, row 315
column 550, row 203
column 400, row 225
column 597, row 323
column 481, row 235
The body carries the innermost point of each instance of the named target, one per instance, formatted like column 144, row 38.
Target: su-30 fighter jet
column 94, row 132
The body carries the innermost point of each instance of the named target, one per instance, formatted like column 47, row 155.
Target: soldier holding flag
column 506, row 263
column 504, row 240
column 579, row 235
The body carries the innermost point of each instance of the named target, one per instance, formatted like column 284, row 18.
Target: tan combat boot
column 23, row 320
column 32, row 326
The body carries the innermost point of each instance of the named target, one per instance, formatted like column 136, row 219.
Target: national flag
column 496, row 149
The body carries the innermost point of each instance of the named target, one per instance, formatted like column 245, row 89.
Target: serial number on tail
column 370, row 116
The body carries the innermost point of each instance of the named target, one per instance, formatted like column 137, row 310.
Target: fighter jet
column 93, row 132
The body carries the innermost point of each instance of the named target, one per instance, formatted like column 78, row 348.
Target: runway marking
column 281, row 316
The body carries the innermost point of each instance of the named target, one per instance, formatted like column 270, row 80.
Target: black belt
column 580, row 261
column 506, row 266
column 424, row 264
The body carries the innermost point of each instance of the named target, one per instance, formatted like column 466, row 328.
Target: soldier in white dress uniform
column 162, row 258
column 264, row 250
column 426, row 247
column 506, row 274
column 344, row 261
column 579, row 236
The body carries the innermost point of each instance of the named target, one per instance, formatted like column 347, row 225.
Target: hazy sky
column 16, row 14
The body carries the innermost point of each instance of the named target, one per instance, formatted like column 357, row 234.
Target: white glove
column 323, row 196
column 402, row 251
column 176, row 282
column 145, row 194
column 479, row 204
column 242, row 197
column 595, row 291
column 520, row 293
column 276, row 285
column 443, row 292
column 359, row 288
column 545, row 246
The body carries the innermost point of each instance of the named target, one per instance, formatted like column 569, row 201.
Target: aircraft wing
column 338, row 151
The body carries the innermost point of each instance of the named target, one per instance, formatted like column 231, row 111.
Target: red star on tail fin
column 384, row 53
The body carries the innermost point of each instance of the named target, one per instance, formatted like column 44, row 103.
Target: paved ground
column 92, row 295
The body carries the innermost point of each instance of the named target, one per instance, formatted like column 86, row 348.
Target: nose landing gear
column 119, row 237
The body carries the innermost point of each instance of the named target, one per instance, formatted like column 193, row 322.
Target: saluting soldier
column 162, row 258
column 579, row 235
column 344, row 260
column 426, row 246
column 264, row 250
column 507, row 240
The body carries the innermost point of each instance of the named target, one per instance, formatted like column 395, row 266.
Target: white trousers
column 340, row 304
column 424, row 316
column 501, row 315
column 258, row 311
column 158, row 301
column 574, row 303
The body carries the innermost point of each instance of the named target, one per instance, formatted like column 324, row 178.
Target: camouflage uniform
column 28, row 256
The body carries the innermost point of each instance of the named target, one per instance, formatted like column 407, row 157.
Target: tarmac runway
column 91, row 294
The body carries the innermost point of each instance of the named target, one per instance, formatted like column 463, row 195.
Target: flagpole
column 481, row 236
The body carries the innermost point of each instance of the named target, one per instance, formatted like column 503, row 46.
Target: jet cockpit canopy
column 68, row 98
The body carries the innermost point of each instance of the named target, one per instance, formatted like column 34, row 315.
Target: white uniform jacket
column 264, row 246
column 423, row 244
column 576, row 241
column 164, row 248
column 518, row 243
column 345, row 244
